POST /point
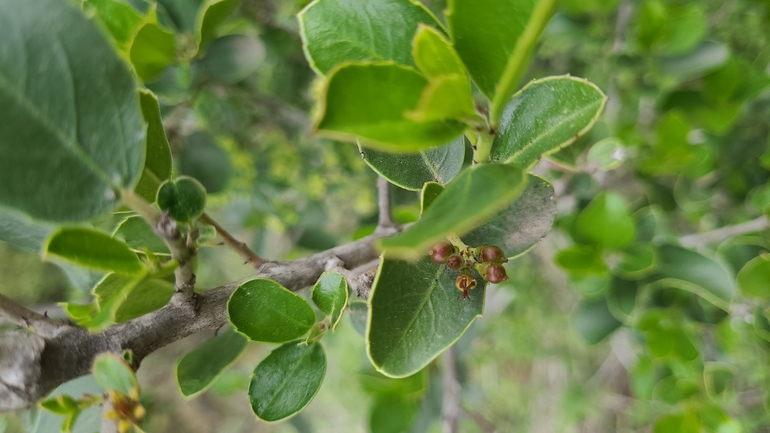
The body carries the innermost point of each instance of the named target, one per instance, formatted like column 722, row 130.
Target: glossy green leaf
column 330, row 294
column 127, row 299
column 263, row 310
column 581, row 260
column 445, row 97
column 87, row 135
column 697, row 273
column 370, row 101
column 204, row 159
column 183, row 13
column 138, row 235
column 198, row 369
column 287, row 380
column 232, row 58
column 20, row 230
column 430, row 191
column 379, row 30
column 121, row 19
column 412, row 170
column 520, row 226
column 211, row 17
column 157, row 163
column 606, row 221
column 152, row 51
column 754, row 278
column 434, row 54
column 184, row 198
column 545, row 116
column 112, row 372
column 594, row 321
column 93, row 249
column 416, row 313
column 479, row 193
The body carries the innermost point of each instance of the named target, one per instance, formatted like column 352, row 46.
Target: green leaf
column 392, row 414
column 606, row 222
column 694, row 272
column 412, row 170
column 445, row 97
column 379, row 30
column 545, row 116
column 666, row 335
column 152, row 51
column 330, row 294
column 754, row 278
column 184, row 198
column 112, row 372
column 430, row 191
column 287, row 380
column 61, row 404
column 183, row 13
column 205, row 160
column 520, row 226
column 495, row 39
column 370, row 101
column 358, row 315
column 263, row 310
column 718, row 378
column 20, row 230
column 157, row 164
column 594, row 321
column 128, row 299
column 198, row 369
column 213, row 14
column 637, row 260
column 475, row 196
column 138, row 235
column 606, row 154
column 581, row 260
column 232, row 58
column 121, row 19
column 621, row 297
column 86, row 132
column 93, row 249
column 434, row 55
column 416, row 313
column 678, row 423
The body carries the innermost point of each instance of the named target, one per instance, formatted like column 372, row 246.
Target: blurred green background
column 566, row 345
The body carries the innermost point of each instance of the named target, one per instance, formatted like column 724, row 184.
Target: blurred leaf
column 416, row 313
column 263, row 310
column 718, row 378
column 152, row 51
column 692, row 271
column 128, row 298
column 412, row 170
column 358, row 312
column 373, row 31
column 581, row 259
column 211, row 17
column 666, row 337
column 671, row 152
column 198, row 369
column 544, row 116
column 392, row 414
column 678, row 423
column 183, row 13
column 232, row 58
column 93, row 249
column 184, row 198
column 523, row 224
column 206, row 161
column 637, row 260
column 621, row 297
column 138, row 234
column 287, row 380
column 349, row 109
column 87, row 138
column 20, row 230
column 607, row 154
column 606, row 221
column 471, row 199
column 705, row 57
column 330, row 295
column 594, row 321
column 430, row 191
column 754, row 278
column 112, row 372
column 120, row 19
column 157, row 162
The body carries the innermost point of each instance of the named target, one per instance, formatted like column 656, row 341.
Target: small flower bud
column 455, row 262
column 440, row 251
column 496, row 274
column 491, row 253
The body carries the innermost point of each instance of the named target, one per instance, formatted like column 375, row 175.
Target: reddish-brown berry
column 440, row 251
column 491, row 253
column 496, row 274
column 455, row 262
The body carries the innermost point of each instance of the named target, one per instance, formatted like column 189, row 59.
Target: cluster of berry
column 486, row 259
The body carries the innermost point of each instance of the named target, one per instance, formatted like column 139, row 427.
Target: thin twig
column 233, row 243
column 383, row 195
column 451, row 409
column 36, row 322
column 723, row 233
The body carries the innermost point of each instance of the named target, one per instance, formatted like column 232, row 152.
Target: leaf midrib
column 271, row 401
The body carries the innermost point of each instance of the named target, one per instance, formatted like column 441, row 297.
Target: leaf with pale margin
column 692, row 271
column 369, row 101
column 473, row 198
column 199, row 368
column 144, row 296
column 157, row 164
column 263, row 310
column 20, row 230
column 71, row 133
column 93, row 249
column 430, row 191
column 754, row 278
column 137, row 234
column 153, row 49
column 112, row 372
column 521, row 225
column 411, row 170
column 330, row 294
column 120, row 19
column 544, row 116
column 378, row 30
column 416, row 313
column 211, row 17
column 287, row 380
